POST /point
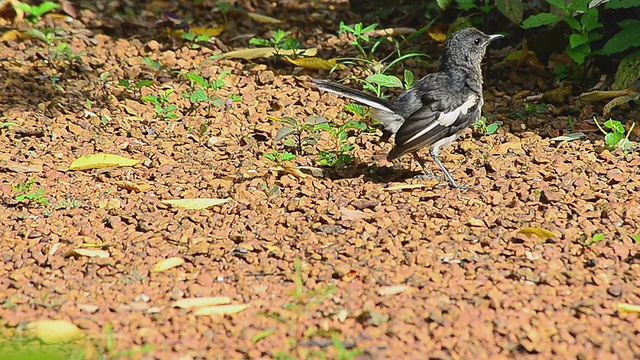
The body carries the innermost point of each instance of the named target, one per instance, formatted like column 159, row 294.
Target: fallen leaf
column 541, row 233
column 569, row 137
column 11, row 35
column 167, row 264
column 629, row 307
column 55, row 331
column 348, row 214
column 621, row 100
column 476, row 222
column 295, row 171
column 212, row 32
column 222, row 309
column 263, row 19
column 405, row 187
column 265, row 52
column 195, row 204
column 131, row 186
column 315, row 63
column 22, row 168
column 595, row 96
column 201, row 301
column 99, row 161
column 392, row 290
column 102, row 254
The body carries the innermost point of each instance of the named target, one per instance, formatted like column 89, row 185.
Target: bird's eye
column 477, row 41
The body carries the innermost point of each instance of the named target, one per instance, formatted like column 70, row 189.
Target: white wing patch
column 447, row 119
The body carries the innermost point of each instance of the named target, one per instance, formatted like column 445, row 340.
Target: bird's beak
column 495, row 37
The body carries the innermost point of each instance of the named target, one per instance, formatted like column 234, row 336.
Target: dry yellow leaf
column 167, row 264
column 405, row 187
column 212, row 32
column 102, row 254
column 392, row 290
column 629, row 307
column 222, row 309
column 11, row 35
column 265, row 52
column 202, row 301
column 99, row 161
column 55, row 331
column 594, row 96
column 541, row 233
column 315, row 63
column 195, row 204
column 131, row 186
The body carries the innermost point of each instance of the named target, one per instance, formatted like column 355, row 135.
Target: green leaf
column 589, row 20
column 558, row 3
column 540, row 20
column 512, row 9
column 615, row 126
column 622, row 4
column 408, row 79
column 579, row 5
column 623, row 40
column 578, row 54
column 573, row 23
column 612, row 139
column 628, row 71
column 287, row 156
column 284, row 132
column 636, row 238
column 576, row 40
column 491, row 128
column 443, row 4
column 384, row 80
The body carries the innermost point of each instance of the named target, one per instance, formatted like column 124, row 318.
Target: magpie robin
column 438, row 107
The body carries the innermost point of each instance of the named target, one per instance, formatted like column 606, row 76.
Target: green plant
column 378, row 79
column 616, row 138
column 303, row 301
column 582, row 20
column 56, row 50
column 34, row 12
column 636, row 238
column 485, row 129
column 280, row 40
column 133, row 87
column 526, row 109
column 27, row 196
column 163, row 109
column 202, row 90
column 278, row 157
column 596, row 238
column 299, row 135
column 339, row 156
column 155, row 65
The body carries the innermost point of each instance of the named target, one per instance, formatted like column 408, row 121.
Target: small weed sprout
column 25, row 195
column 615, row 137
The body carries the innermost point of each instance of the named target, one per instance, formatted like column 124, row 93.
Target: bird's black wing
column 445, row 111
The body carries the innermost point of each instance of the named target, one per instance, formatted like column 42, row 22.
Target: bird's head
column 467, row 47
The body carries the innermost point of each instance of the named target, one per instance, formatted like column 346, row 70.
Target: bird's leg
column 427, row 174
column 436, row 159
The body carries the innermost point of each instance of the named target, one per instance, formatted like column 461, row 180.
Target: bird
column 437, row 108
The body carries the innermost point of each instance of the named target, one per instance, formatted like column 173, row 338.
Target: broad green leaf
column 558, row 3
column 99, row 161
column 589, row 20
column 576, row 40
column 578, row 54
column 622, row 4
column 284, row 132
column 540, row 20
column 573, row 23
column 615, row 125
column 512, row 9
column 384, row 80
column 623, row 40
column 195, row 204
column 612, row 139
column 636, row 238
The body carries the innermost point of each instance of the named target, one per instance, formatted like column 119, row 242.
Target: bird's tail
column 357, row 95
